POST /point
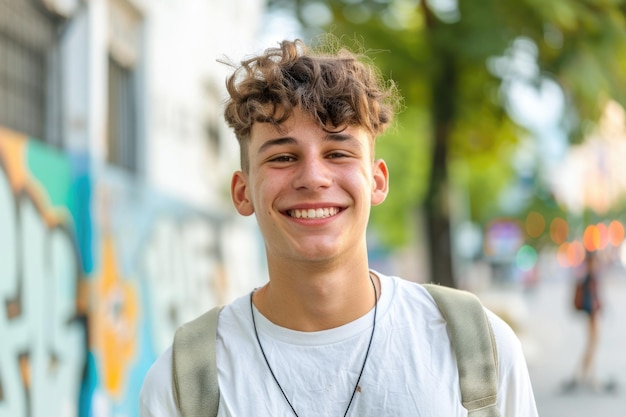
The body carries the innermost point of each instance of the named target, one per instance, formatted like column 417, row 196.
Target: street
column 554, row 337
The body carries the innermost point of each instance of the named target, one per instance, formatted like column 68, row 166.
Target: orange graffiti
column 12, row 152
column 114, row 317
column 13, row 148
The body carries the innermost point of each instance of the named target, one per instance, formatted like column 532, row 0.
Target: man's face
column 311, row 190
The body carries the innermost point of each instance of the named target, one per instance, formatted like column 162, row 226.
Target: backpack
column 194, row 367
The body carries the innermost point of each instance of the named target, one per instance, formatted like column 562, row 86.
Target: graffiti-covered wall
column 42, row 326
column 96, row 272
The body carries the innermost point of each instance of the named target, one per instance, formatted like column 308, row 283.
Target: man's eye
column 335, row 155
column 282, row 158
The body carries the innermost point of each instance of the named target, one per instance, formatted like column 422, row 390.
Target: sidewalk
column 554, row 339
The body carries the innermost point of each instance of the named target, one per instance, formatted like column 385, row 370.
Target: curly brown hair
column 337, row 90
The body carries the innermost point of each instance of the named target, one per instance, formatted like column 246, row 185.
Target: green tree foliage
column 456, row 129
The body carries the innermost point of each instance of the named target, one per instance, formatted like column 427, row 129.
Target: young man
column 326, row 336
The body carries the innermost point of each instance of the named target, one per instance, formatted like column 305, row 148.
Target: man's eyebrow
column 276, row 142
column 341, row 137
column 288, row 140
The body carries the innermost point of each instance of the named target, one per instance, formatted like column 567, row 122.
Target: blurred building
column 115, row 216
column 593, row 174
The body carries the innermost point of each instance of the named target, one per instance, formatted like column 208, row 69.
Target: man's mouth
column 318, row 213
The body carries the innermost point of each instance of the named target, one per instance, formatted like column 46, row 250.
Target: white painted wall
column 185, row 88
column 181, row 87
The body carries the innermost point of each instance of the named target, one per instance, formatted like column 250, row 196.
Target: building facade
column 115, row 219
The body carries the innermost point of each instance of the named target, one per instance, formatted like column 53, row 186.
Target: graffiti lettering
column 42, row 352
column 181, row 260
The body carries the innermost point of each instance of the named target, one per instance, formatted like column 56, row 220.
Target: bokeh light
column 558, row 230
column 535, row 224
column 591, row 237
column 603, row 232
column 570, row 254
column 561, row 254
column 526, row 258
column 616, row 233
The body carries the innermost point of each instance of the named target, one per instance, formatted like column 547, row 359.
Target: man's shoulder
column 403, row 290
column 417, row 295
column 159, row 372
column 156, row 397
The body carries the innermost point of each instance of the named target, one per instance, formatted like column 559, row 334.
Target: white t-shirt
column 411, row 370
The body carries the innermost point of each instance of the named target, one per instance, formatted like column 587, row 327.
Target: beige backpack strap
column 194, row 366
column 475, row 348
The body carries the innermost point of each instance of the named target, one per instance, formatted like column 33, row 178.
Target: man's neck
column 313, row 298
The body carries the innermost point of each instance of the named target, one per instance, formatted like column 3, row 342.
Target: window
column 28, row 83
column 122, row 117
column 123, row 111
column 212, row 118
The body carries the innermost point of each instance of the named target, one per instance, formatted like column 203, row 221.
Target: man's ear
column 240, row 194
column 380, row 182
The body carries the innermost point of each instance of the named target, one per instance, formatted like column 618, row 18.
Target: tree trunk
column 437, row 198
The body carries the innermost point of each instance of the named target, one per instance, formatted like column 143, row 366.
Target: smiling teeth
column 320, row 213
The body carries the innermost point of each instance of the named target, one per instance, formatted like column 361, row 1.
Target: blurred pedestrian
column 587, row 300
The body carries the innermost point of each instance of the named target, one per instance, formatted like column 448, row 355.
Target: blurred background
column 507, row 170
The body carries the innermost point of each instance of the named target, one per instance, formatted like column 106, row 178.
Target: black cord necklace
column 367, row 352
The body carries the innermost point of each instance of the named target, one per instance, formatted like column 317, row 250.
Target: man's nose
column 312, row 173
